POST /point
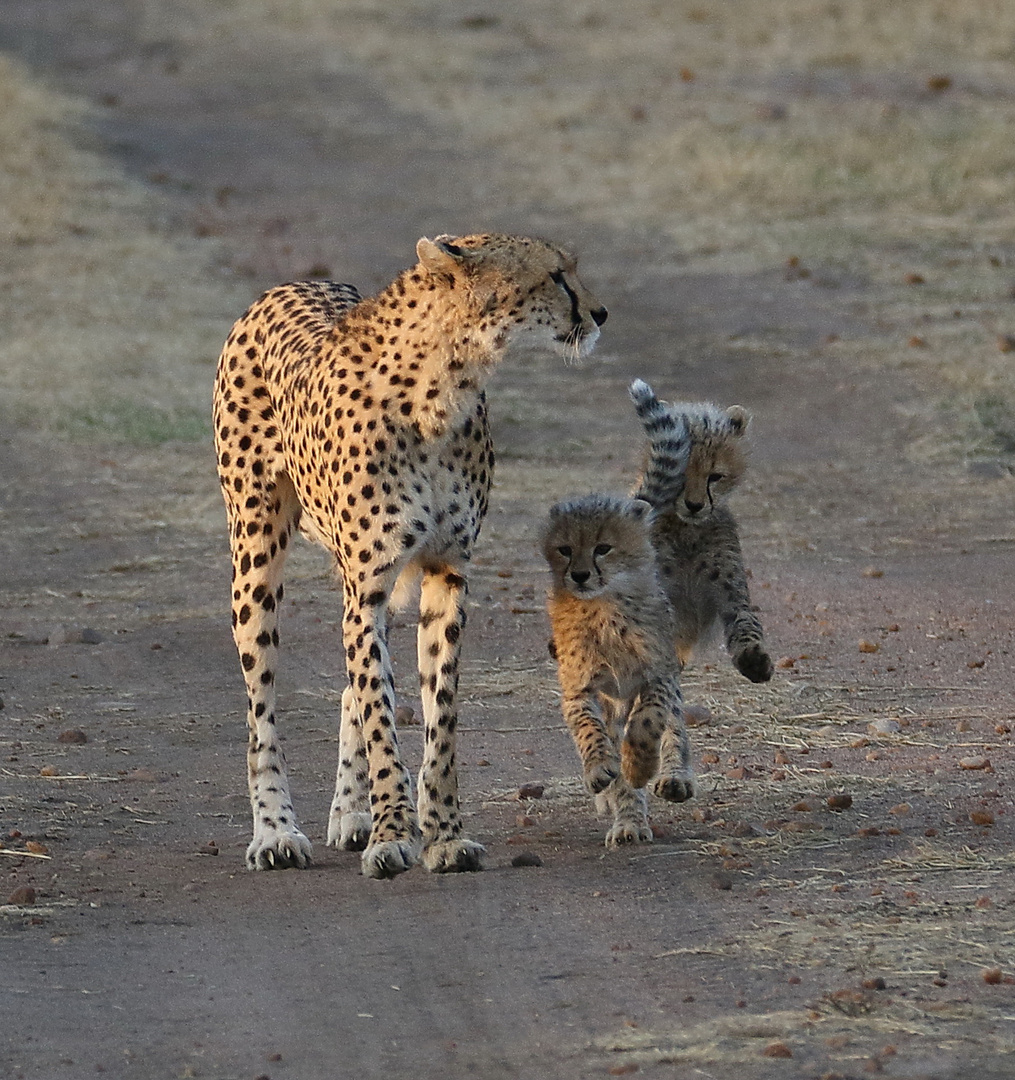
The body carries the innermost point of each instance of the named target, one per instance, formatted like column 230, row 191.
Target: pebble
column 884, row 727
column 866, row 646
column 974, row 763
column 527, row 858
column 72, row 735
column 720, row 881
column 697, row 715
column 992, row 976
column 23, row 896
column 840, row 801
column 405, row 716
column 88, row 636
column 531, row 791
column 777, row 1050
column 981, row 817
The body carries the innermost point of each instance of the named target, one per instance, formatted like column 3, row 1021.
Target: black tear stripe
column 558, row 277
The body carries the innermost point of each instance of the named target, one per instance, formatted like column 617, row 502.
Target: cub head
column 717, row 459
column 591, row 542
column 519, row 289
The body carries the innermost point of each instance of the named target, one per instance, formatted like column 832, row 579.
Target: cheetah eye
column 602, row 549
column 714, row 478
column 565, row 551
column 557, row 277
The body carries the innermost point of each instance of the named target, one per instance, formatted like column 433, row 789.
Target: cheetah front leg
column 349, row 820
column 441, row 622
column 646, row 722
column 394, row 844
column 675, row 782
column 592, row 738
column 259, row 539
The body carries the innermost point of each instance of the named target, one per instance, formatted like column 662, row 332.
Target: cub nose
column 693, row 507
column 599, row 315
column 579, row 577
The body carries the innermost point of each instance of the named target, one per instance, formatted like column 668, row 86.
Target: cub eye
column 602, row 549
column 565, row 551
column 714, row 478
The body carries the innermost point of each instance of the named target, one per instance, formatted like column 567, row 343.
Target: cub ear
column 440, row 256
column 640, row 509
column 739, row 419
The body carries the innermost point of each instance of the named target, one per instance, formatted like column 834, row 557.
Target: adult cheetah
column 363, row 422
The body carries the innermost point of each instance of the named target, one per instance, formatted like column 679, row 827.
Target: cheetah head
column 520, row 290
column 717, row 459
column 593, row 542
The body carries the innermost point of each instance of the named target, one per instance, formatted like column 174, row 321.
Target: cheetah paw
column 639, row 765
column 349, row 832
column 755, row 663
column 389, row 858
column 673, row 788
column 278, row 850
column 599, row 777
column 628, row 832
column 453, row 856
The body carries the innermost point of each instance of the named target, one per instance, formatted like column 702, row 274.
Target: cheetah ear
column 440, row 256
column 739, row 419
column 640, row 509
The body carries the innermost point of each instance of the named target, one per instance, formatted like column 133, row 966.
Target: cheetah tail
column 669, row 447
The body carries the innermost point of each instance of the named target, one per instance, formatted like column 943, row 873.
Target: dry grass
column 869, row 138
column 111, row 326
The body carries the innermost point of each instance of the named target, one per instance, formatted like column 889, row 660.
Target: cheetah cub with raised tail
column 363, row 423
column 696, row 458
column 613, row 633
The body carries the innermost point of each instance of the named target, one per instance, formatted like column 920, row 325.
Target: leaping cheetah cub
column 613, row 633
column 363, row 422
column 696, row 458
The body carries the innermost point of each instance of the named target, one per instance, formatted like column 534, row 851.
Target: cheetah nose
column 693, row 507
column 599, row 315
column 579, row 577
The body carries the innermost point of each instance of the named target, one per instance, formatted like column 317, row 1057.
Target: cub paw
column 349, row 832
column 755, row 663
column 628, row 832
column 389, row 858
column 274, row 850
column 599, row 775
column 673, row 788
column 453, row 856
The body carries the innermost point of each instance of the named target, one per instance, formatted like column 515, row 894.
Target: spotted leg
column 639, row 751
column 441, row 622
column 675, row 781
column 349, row 820
column 259, row 542
column 395, row 843
column 584, row 718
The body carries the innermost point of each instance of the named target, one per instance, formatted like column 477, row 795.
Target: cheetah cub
column 695, row 459
column 613, row 632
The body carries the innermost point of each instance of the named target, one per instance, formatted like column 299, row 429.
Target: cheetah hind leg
column 349, row 820
column 629, row 808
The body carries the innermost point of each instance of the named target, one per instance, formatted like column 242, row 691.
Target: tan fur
column 364, row 422
column 613, row 640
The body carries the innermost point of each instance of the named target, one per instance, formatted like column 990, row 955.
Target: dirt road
column 762, row 931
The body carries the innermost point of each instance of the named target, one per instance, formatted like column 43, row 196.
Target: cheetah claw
column 349, row 832
column 599, row 777
column 279, row 851
column 628, row 832
column 673, row 788
column 453, row 856
column 389, row 858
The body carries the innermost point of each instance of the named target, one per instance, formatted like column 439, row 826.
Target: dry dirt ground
column 763, row 931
